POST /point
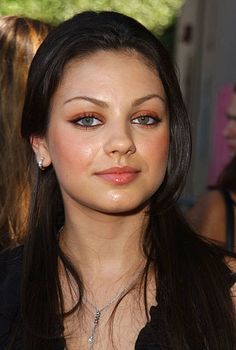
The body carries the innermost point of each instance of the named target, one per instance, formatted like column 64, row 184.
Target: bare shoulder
column 208, row 215
column 209, row 200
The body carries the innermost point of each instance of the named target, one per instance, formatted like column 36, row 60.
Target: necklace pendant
column 91, row 339
column 97, row 317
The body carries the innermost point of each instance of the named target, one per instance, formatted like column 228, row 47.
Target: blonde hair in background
column 20, row 37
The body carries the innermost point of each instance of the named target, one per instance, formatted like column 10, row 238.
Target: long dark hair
column 193, row 294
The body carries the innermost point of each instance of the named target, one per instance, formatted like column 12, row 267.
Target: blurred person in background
column 19, row 39
column 214, row 214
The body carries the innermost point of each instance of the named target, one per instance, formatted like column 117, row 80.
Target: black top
column 10, row 275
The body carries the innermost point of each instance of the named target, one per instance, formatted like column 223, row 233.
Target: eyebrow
column 141, row 100
column 101, row 103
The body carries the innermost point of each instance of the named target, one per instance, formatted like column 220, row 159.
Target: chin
column 124, row 209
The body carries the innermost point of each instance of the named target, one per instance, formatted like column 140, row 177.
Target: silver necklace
column 97, row 314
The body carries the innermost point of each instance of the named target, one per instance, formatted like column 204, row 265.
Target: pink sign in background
column 220, row 154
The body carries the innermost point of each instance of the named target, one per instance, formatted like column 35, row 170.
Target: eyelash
column 155, row 120
column 92, row 117
column 89, row 116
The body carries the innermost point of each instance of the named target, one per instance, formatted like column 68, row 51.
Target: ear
column 40, row 148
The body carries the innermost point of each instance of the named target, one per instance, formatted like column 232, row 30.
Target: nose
column 119, row 141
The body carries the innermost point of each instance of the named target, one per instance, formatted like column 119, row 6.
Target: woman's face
column 230, row 128
column 108, row 134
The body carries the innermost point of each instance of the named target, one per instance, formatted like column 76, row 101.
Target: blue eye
column 87, row 121
column 146, row 120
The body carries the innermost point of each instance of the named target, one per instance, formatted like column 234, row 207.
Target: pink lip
column 118, row 175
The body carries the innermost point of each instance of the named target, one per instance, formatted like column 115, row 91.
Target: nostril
column 120, row 144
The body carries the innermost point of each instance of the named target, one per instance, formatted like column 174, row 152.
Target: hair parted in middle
column 187, row 276
column 78, row 38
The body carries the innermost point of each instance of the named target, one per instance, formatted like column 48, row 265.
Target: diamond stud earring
column 40, row 163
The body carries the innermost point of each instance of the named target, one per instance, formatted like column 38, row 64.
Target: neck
column 104, row 245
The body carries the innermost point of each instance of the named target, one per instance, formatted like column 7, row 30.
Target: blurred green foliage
column 154, row 14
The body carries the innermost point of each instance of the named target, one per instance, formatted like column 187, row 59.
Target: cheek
column 157, row 151
column 68, row 151
column 156, row 154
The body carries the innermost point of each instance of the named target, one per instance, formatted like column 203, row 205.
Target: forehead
column 109, row 70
